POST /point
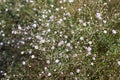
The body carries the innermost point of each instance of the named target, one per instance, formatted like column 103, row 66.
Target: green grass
column 49, row 40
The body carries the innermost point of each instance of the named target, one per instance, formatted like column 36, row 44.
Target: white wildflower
column 68, row 45
column 92, row 63
column 81, row 38
column 78, row 70
column 71, row 1
column 114, row 31
column 48, row 61
column 49, row 74
column 36, row 47
column 32, row 56
column 105, row 31
column 23, row 62
column 53, row 47
column 57, row 61
column 118, row 63
column 89, row 49
column 60, row 43
column 98, row 15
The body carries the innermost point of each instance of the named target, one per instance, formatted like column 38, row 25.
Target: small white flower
column 53, row 47
column 52, row 5
column 89, row 49
column 34, row 25
column 105, row 31
column 64, row 0
column 23, row 62
column 90, row 42
column 89, row 53
column 49, row 74
column 45, row 68
column 68, row 44
column 42, row 41
column 84, row 24
column 22, row 52
column 60, row 43
column 75, row 55
column 66, row 36
column 93, row 58
column 114, row 31
column 71, row 73
column 5, row 74
column 98, row 15
column 55, row 70
column 43, row 49
column 81, row 21
column 104, row 21
column 19, row 27
column 118, row 63
column 1, row 43
column 33, row 56
column 78, row 70
column 81, row 38
column 48, row 61
column 71, row 1
column 79, row 9
column 60, row 2
column 57, row 9
column 36, row 47
column 92, row 63
column 72, row 32
column 48, row 30
column 57, row 61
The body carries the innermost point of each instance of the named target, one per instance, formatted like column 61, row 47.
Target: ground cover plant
column 60, row 40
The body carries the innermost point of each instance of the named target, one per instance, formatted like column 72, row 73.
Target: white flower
column 22, row 52
column 114, row 31
column 105, row 31
column 36, row 47
column 79, row 9
column 34, row 25
column 66, row 36
column 19, row 27
column 92, row 63
column 71, row 1
column 89, row 53
column 49, row 74
column 90, row 42
column 78, row 70
column 53, row 47
column 48, row 30
column 5, row 74
column 48, row 61
column 60, row 43
column 71, row 73
column 93, row 58
column 33, row 56
column 23, row 62
column 68, row 45
column 1, row 43
column 89, row 49
column 57, row 9
column 84, row 24
column 64, row 0
column 81, row 21
column 45, row 68
column 57, row 61
column 98, row 15
column 119, row 63
column 75, row 55
column 81, row 38
column 104, row 21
